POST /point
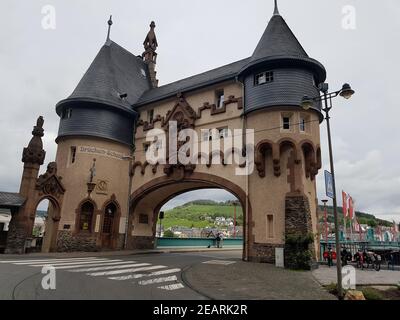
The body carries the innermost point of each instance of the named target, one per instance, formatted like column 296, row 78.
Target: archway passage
column 205, row 218
column 45, row 226
column 147, row 201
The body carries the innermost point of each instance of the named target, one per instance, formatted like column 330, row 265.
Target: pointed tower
column 150, row 55
column 97, row 122
column 22, row 222
column 275, row 79
column 290, row 72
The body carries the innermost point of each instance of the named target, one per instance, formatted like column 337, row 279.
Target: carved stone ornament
column 182, row 113
column 49, row 183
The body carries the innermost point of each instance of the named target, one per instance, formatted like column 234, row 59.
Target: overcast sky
column 40, row 67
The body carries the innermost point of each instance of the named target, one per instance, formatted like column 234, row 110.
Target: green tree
column 168, row 234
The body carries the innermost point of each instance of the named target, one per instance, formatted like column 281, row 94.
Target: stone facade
column 68, row 242
column 264, row 253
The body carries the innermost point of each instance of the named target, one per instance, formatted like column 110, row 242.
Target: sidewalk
column 326, row 275
column 253, row 281
column 117, row 253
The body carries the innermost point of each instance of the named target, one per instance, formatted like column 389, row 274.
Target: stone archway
column 51, row 225
column 148, row 199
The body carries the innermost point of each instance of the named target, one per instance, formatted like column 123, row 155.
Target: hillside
column 363, row 218
column 201, row 214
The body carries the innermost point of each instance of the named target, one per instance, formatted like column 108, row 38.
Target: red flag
column 351, row 208
column 344, row 205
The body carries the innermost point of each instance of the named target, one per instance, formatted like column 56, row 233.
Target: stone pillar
column 22, row 221
column 297, row 224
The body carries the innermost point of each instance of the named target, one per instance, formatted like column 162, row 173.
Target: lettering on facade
column 101, row 152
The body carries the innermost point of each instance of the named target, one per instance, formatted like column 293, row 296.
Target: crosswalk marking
column 158, row 280
column 124, row 266
column 46, row 260
column 68, row 263
column 142, row 275
column 170, row 287
column 93, row 265
column 222, row 262
column 107, row 273
column 116, row 269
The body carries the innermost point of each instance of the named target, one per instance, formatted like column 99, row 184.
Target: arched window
column 109, row 214
column 86, row 217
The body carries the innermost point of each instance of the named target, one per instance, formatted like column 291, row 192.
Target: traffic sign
column 329, row 185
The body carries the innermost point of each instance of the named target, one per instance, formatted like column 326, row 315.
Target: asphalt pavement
column 153, row 276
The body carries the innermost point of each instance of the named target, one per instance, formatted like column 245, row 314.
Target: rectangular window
column 286, row 123
column 270, row 225
column 150, row 115
column 302, row 124
column 220, row 99
column 143, row 219
column 263, row 77
column 73, row 154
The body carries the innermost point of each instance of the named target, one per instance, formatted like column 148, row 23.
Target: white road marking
column 109, row 273
column 158, row 280
column 128, row 264
column 68, row 263
column 107, row 263
column 46, row 260
column 142, row 275
column 93, row 264
column 222, row 262
column 171, row 287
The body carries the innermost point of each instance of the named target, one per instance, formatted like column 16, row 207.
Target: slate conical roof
column 114, row 72
column 278, row 40
column 278, row 45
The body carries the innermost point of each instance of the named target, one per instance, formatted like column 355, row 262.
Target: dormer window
column 150, row 115
column 66, row 114
column 264, row 77
column 220, row 97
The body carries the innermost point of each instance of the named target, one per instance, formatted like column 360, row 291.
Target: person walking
column 218, row 240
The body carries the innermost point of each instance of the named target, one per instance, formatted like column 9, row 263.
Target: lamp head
column 307, row 103
column 346, row 92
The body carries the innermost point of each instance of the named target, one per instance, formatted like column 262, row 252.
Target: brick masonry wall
column 141, row 242
column 298, row 219
column 67, row 242
column 264, row 253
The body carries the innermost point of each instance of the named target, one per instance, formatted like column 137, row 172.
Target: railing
column 354, row 246
column 197, row 242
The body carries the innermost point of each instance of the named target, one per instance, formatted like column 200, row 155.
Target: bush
column 168, row 234
column 298, row 255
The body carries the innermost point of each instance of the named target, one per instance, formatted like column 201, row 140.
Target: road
column 144, row 277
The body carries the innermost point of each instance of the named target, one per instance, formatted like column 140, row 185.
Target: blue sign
column 329, row 185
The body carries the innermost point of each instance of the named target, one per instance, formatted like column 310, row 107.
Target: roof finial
column 276, row 11
column 110, row 23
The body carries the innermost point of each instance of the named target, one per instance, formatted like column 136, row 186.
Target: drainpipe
column 247, row 224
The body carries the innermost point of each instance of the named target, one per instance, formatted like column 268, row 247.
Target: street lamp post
column 307, row 102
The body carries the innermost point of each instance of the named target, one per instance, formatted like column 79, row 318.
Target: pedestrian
column 218, row 239
column 330, row 257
